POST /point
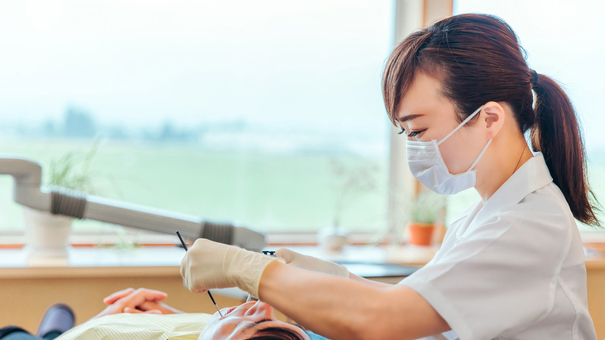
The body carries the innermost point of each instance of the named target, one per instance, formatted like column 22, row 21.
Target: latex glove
column 311, row 263
column 209, row 264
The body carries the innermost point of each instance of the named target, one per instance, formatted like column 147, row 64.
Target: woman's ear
column 493, row 118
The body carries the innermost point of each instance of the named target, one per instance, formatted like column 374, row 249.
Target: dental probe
column 209, row 294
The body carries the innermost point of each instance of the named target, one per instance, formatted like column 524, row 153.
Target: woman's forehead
column 422, row 97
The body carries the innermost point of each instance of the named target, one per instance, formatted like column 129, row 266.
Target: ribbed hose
column 67, row 202
column 222, row 233
column 72, row 203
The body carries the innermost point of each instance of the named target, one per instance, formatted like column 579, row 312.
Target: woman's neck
column 499, row 164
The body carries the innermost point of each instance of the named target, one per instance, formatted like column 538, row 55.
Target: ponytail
column 477, row 58
column 557, row 135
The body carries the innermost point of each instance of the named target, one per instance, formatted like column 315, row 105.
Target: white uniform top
column 512, row 268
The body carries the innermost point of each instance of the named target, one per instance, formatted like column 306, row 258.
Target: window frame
column 408, row 17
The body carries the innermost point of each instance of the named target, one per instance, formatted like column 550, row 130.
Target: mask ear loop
column 461, row 125
column 480, row 155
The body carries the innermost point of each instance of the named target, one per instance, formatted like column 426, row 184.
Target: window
column 562, row 40
column 230, row 110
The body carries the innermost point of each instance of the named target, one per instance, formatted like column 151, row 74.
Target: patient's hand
column 141, row 300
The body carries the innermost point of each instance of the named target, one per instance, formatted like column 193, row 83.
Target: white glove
column 311, row 263
column 209, row 264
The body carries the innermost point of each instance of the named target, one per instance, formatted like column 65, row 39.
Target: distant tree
column 169, row 133
column 79, row 123
column 49, row 128
column 117, row 132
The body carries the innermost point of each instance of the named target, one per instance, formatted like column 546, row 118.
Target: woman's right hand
column 311, row 263
column 141, row 300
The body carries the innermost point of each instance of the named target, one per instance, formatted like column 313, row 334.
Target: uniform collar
column 531, row 176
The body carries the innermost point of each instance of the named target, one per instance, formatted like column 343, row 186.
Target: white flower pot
column 46, row 237
column 332, row 239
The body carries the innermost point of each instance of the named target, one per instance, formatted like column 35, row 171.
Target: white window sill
column 171, row 256
column 148, row 238
column 86, row 262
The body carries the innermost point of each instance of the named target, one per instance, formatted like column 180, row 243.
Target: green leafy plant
column 124, row 242
column 72, row 172
column 352, row 182
column 426, row 208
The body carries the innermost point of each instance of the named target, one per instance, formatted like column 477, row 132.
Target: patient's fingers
column 128, row 304
column 117, row 295
column 141, row 295
column 132, row 310
column 162, row 307
column 136, row 311
column 149, row 305
column 133, row 298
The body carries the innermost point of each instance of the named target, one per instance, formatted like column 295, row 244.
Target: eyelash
column 412, row 133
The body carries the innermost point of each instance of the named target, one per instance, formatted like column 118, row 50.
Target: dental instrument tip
column 209, row 294
column 218, row 310
column 182, row 241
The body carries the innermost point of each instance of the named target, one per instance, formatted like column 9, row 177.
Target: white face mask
column 427, row 165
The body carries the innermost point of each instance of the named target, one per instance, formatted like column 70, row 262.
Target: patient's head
column 250, row 321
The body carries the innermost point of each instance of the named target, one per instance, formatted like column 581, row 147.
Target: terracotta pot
column 421, row 234
column 440, row 230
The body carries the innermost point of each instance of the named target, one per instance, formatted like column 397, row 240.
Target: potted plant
column 352, row 181
column 426, row 211
column 47, row 234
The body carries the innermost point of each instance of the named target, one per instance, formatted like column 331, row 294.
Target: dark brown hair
column 276, row 333
column 477, row 59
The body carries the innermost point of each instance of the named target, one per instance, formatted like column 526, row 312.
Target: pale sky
column 314, row 63
column 309, row 63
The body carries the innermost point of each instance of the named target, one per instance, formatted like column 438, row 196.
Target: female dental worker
column 512, row 266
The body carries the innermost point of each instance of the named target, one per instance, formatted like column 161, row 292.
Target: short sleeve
column 498, row 279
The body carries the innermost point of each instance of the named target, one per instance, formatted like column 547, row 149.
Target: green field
column 271, row 192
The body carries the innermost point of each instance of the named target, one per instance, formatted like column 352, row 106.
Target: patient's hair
column 276, row 333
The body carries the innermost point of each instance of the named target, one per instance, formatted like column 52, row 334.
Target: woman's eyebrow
column 409, row 117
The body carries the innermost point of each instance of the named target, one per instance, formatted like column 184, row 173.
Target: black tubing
column 222, row 233
column 67, row 202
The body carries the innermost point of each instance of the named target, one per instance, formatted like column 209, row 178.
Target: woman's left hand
column 209, row 264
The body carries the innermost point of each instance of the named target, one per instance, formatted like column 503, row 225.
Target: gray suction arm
column 27, row 192
column 27, row 180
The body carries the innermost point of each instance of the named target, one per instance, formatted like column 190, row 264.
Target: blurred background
column 257, row 112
